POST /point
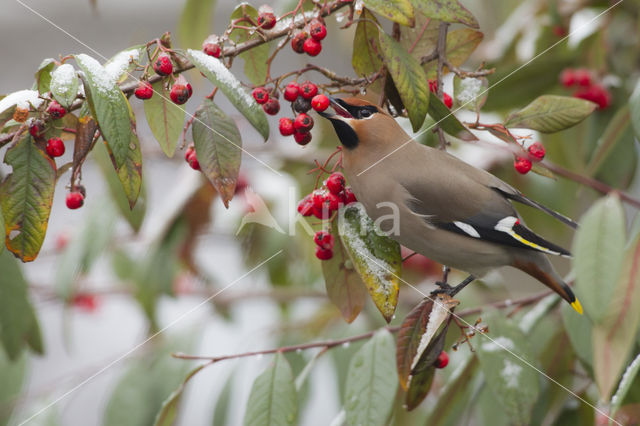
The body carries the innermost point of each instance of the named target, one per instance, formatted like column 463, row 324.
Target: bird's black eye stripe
column 366, row 111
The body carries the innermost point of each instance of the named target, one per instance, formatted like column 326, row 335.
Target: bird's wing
column 465, row 200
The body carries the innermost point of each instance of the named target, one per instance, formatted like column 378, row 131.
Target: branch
column 464, row 74
column 328, row 344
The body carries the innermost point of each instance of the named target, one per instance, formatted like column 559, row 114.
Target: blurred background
column 103, row 283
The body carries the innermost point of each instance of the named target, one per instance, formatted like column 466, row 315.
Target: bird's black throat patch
column 346, row 134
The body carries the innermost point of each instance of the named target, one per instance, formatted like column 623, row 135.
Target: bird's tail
column 540, row 268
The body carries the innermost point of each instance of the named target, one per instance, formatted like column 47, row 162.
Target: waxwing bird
column 448, row 210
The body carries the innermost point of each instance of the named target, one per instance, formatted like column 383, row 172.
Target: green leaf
column 371, row 382
column 630, row 373
column 18, row 322
column 447, row 11
column 195, row 22
column 218, row 147
column 453, row 398
column 344, row 286
column 409, row 79
column 165, row 118
column 273, row 399
column 169, row 410
column 598, row 249
column 461, row 43
column 255, row 59
column 579, row 329
column 219, row 75
column 400, row 11
column 551, row 113
column 514, row 383
column 447, row 121
column 221, row 410
column 614, row 134
column 2, row 227
column 615, row 336
column 376, row 257
column 365, row 59
column 409, row 336
column 26, row 196
column 43, row 75
column 634, row 107
column 64, row 84
column 12, row 375
column 123, row 63
column 109, row 107
column 134, row 216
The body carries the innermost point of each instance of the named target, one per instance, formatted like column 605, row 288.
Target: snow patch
column 470, row 88
column 222, row 74
column 22, row 99
column 119, row 64
column 511, row 374
column 499, row 344
column 103, row 82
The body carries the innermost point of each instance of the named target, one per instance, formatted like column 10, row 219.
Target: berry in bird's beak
column 340, row 110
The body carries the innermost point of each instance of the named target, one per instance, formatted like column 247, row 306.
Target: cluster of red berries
column 181, row 90
column 308, row 40
column 536, row 153
column 191, row 158
column 303, row 97
column 587, row 87
column 446, row 98
column 324, row 245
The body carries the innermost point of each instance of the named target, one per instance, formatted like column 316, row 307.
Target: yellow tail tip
column 577, row 306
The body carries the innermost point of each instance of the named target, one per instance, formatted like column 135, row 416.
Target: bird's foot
column 443, row 288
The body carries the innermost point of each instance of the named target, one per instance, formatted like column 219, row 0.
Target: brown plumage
column 449, row 211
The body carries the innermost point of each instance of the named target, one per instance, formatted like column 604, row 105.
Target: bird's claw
column 444, row 288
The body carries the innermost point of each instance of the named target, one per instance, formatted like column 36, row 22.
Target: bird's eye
column 365, row 113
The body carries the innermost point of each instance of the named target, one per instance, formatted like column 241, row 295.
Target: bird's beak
column 340, row 110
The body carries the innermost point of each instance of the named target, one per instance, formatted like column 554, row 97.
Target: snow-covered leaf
column 375, row 256
column 218, row 74
column 64, row 84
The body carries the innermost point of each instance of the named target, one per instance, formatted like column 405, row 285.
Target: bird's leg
column 444, row 286
column 452, row 291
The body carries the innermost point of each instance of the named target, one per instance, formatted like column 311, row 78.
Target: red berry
column 271, row 107
column 536, row 152
column 190, row 89
column 162, row 65
column 191, row 158
column 302, row 105
column 324, row 239
column 320, row 103
column 286, row 126
column 85, row 301
column 522, row 165
column 297, row 41
column 448, row 101
column 144, row 90
column 75, row 200
column 433, row 85
column 595, row 93
column 308, row 90
column 292, row 91
column 36, row 128
column 583, row 77
column 323, row 254
column 335, row 183
column 317, row 30
column 302, row 138
column 347, row 196
column 303, row 123
column 56, row 110
column 179, row 93
column 305, row 206
column 211, row 49
column 568, row 77
column 312, row 46
column 55, row 147
column 559, row 30
column 260, row 94
column 266, row 20
column 442, row 361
